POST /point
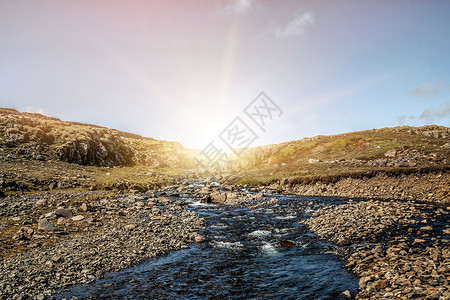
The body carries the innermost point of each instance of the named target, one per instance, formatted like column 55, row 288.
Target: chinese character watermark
column 238, row 136
column 262, row 109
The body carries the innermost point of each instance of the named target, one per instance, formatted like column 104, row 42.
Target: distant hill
column 403, row 147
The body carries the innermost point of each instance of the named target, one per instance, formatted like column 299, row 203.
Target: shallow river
column 248, row 254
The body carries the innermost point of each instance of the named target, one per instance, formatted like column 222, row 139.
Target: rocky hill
column 40, row 153
column 37, row 137
column 399, row 148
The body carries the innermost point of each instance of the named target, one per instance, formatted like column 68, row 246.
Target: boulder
column 390, row 153
column 286, row 244
column 218, row 197
column 46, row 225
column 62, row 212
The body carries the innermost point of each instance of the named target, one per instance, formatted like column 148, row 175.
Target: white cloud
column 240, row 6
column 441, row 112
column 296, row 26
column 427, row 90
column 428, row 115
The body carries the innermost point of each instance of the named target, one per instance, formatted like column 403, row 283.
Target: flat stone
column 78, row 218
column 426, row 228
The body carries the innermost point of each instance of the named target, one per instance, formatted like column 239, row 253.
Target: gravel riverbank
column 397, row 249
column 81, row 240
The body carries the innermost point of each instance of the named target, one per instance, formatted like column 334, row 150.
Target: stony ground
column 52, row 240
column 77, row 242
column 398, row 249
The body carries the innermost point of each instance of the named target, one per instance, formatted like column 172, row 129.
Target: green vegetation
column 288, row 151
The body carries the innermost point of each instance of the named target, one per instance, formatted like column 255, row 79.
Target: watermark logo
column 239, row 135
column 262, row 110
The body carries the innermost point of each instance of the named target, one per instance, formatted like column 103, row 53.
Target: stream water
column 248, row 254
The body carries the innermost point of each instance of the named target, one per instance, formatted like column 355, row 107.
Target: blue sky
column 183, row 70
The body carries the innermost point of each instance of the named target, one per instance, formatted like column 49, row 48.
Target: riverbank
column 429, row 186
column 397, row 249
column 53, row 240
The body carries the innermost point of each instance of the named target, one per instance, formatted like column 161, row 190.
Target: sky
column 184, row 70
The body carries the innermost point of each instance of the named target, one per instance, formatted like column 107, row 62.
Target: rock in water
column 347, row 294
column 286, row 244
column 426, row 228
column 199, row 238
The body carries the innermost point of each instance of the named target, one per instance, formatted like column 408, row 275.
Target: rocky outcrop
column 96, row 149
column 37, row 137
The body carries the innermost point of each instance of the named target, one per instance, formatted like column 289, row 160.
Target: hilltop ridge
column 395, row 148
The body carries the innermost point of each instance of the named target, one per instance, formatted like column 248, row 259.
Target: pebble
column 77, row 218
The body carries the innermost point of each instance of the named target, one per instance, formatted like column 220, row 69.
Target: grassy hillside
column 397, row 148
column 39, row 152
